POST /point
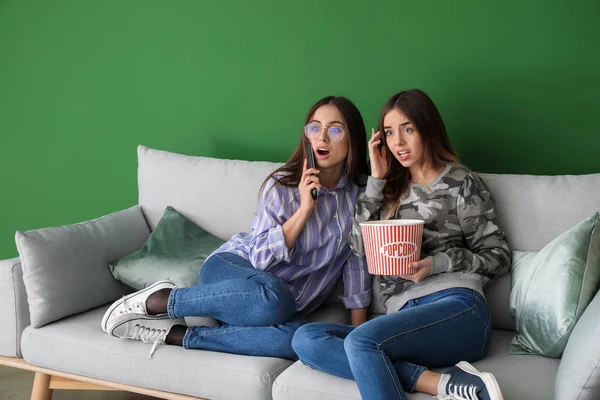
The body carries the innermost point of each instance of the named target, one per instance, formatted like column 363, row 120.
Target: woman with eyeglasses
column 259, row 285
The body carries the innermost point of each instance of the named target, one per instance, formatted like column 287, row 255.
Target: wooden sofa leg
column 41, row 387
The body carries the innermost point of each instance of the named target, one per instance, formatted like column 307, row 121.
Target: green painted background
column 83, row 82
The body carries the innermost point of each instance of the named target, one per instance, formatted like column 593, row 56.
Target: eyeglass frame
column 327, row 128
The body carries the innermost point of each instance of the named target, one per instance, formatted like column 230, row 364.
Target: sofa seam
column 580, row 294
column 137, row 358
column 279, row 372
column 303, row 389
column 82, row 223
column 587, row 380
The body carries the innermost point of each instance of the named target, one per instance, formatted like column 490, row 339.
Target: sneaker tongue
column 123, row 330
column 443, row 384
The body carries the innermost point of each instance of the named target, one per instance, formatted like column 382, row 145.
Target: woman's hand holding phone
column 377, row 155
column 293, row 226
column 308, row 181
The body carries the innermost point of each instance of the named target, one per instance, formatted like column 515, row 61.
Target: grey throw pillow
column 64, row 267
column 175, row 250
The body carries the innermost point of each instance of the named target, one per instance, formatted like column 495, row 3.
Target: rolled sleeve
column 277, row 244
column 357, row 301
column 357, row 283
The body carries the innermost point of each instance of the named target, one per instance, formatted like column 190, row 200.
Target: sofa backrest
column 219, row 195
column 533, row 210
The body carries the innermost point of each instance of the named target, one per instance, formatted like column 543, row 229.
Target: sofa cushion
column 551, row 288
column 578, row 376
column 219, row 195
column 175, row 250
column 65, row 269
column 77, row 345
column 14, row 311
column 520, row 377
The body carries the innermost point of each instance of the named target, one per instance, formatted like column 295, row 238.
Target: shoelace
column 462, row 392
column 132, row 308
column 150, row 335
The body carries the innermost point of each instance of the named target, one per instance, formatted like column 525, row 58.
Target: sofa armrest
column 14, row 310
column 578, row 376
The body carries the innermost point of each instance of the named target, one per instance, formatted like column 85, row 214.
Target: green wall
column 83, row 82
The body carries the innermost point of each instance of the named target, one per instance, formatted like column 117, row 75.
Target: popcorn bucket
column 391, row 245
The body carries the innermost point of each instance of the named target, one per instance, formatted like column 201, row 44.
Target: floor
column 15, row 384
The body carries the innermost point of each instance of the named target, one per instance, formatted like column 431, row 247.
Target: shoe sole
column 117, row 303
column 488, row 379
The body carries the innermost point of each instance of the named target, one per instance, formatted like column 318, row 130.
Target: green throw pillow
column 551, row 288
column 175, row 250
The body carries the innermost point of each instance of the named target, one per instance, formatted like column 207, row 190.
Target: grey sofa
column 60, row 284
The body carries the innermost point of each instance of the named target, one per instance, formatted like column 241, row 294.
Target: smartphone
column 310, row 156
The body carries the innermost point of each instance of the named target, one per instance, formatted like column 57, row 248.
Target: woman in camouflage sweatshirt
column 436, row 316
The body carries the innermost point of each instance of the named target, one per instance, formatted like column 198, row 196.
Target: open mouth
column 403, row 153
column 322, row 151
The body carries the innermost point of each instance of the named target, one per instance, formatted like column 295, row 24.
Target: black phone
column 310, row 156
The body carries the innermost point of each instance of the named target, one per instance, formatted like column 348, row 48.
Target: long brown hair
column 356, row 162
column 437, row 150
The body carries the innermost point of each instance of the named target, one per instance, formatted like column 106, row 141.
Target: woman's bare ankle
column 428, row 383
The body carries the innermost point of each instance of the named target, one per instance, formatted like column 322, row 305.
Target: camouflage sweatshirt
column 461, row 234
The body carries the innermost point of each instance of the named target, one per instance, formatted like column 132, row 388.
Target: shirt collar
column 343, row 183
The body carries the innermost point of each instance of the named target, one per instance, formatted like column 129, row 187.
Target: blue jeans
column 255, row 309
column 387, row 355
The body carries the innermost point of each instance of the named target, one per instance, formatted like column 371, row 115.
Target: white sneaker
column 134, row 303
column 148, row 329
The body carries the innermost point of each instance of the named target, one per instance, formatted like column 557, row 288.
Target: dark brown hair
column 356, row 163
column 437, row 150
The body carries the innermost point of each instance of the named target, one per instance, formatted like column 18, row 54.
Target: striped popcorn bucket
column 392, row 245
